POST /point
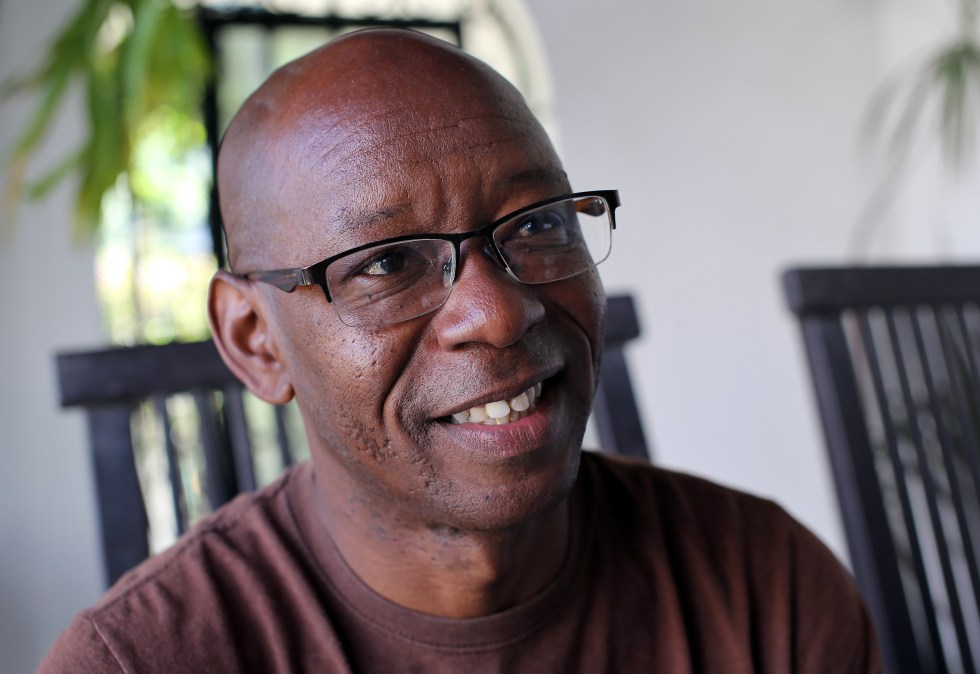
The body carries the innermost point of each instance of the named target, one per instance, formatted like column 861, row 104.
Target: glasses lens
column 556, row 241
column 391, row 282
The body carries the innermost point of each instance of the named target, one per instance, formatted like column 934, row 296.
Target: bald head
column 310, row 145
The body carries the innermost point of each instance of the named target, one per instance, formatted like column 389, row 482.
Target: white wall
column 49, row 565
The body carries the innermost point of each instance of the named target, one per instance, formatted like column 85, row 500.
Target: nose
column 487, row 305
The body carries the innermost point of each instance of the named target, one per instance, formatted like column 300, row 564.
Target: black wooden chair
column 894, row 356
column 180, row 401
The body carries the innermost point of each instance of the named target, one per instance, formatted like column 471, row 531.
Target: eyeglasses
column 401, row 278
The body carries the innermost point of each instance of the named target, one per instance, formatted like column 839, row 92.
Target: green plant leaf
column 107, row 153
column 903, row 135
column 134, row 61
column 945, row 87
column 950, row 82
column 61, row 64
column 161, row 61
column 40, row 188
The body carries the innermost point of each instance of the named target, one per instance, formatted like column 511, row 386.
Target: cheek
column 583, row 301
column 597, row 323
column 342, row 377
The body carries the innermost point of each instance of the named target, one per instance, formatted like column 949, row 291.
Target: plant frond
column 156, row 59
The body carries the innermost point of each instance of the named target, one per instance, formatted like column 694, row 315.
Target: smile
column 500, row 412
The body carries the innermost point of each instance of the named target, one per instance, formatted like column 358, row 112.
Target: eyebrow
column 366, row 219
column 539, row 175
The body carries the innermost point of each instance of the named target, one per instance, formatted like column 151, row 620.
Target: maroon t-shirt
column 664, row 573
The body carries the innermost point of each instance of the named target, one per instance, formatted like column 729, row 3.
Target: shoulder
column 700, row 516
column 192, row 597
column 80, row 650
column 726, row 548
column 649, row 491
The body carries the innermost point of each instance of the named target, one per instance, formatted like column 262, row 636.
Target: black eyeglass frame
column 288, row 280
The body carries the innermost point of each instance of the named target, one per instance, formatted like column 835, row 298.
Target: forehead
column 380, row 136
column 398, row 173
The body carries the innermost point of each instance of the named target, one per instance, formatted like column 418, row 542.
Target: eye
column 390, row 265
column 544, row 230
column 543, row 223
column 389, row 262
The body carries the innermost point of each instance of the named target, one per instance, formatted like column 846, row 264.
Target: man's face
column 378, row 401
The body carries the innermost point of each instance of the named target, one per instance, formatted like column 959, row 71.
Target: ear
column 241, row 333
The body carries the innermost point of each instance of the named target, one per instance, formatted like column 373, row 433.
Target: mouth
column 500, row 412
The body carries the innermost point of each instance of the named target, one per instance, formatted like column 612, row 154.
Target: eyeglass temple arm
column 614, row 203
column 286, row 280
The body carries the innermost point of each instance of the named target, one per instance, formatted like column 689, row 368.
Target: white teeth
column 498, row 409
column 501, row 411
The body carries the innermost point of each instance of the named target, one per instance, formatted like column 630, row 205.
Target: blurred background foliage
column 143, row 65
column 933, row 102
column 142, row 172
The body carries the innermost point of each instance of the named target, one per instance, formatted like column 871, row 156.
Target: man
column 448, row 521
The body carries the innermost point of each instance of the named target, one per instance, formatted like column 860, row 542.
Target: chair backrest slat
column 173, row 464
column 220, row 471
column 969, row 395
column 880, row 356
column 616, row 413
column 947, row 411
column 241, row 447
column 123, row 512
column 282, row 436
column 929, row 472
column 900, row 405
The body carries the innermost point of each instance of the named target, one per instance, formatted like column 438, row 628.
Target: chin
column 511, row 503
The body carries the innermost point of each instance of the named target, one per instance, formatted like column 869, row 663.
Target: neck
column 443, row 570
